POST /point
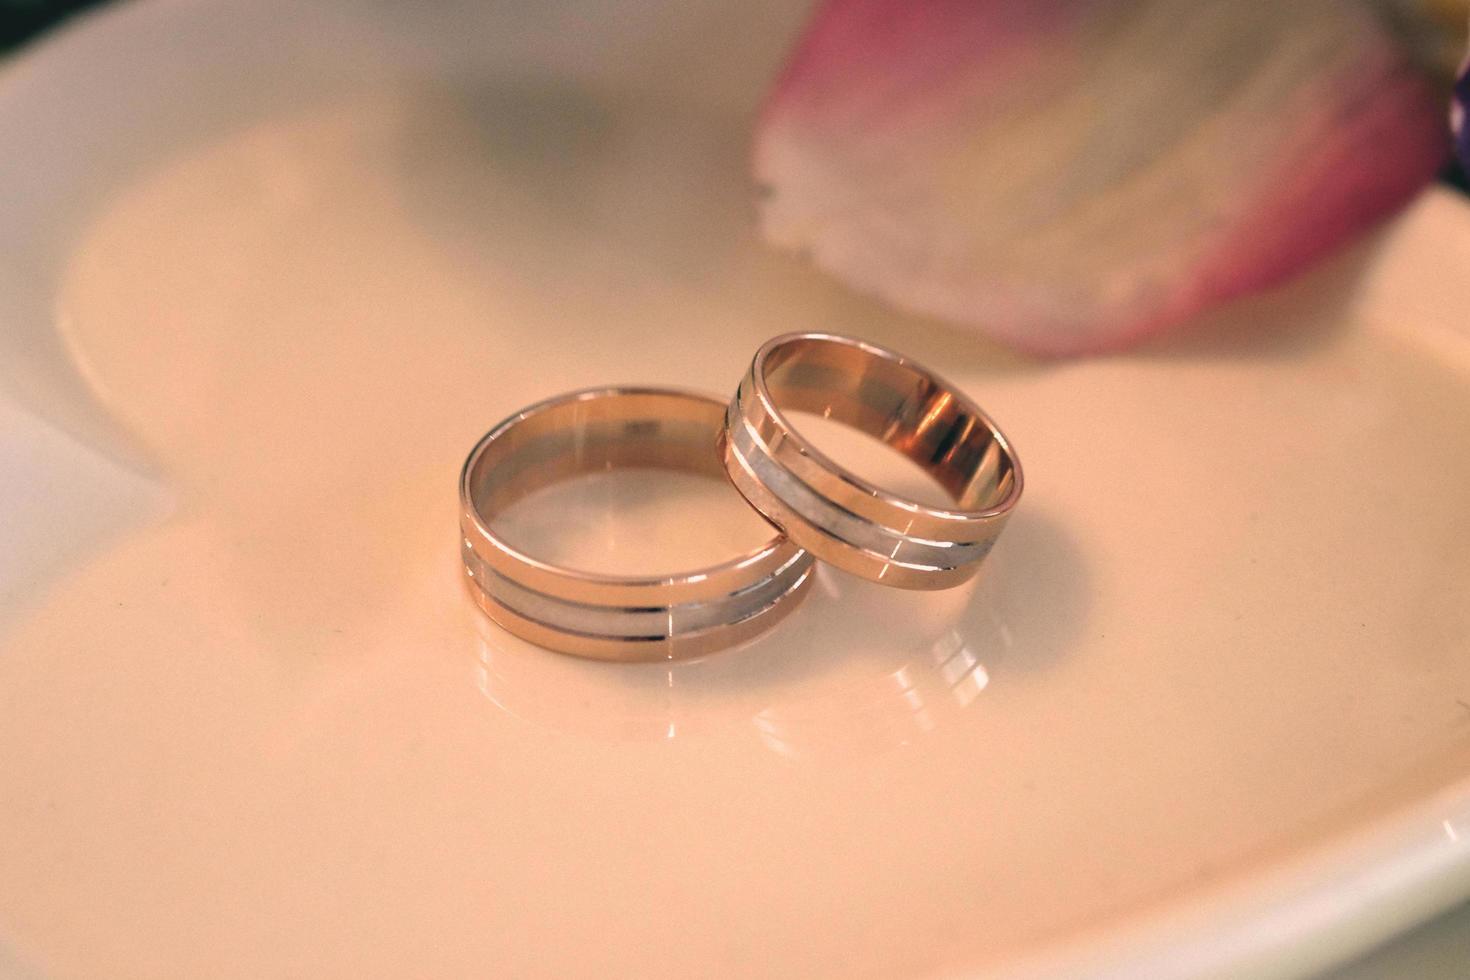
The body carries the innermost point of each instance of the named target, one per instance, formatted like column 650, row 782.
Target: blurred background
column 1437, row 25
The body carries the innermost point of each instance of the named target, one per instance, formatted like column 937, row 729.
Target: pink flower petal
column 1071, row 175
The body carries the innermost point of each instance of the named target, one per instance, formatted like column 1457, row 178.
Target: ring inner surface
column 592, row 435
column 899, row 406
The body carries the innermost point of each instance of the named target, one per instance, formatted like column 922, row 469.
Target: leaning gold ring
column 611, row 617
column 835, row 514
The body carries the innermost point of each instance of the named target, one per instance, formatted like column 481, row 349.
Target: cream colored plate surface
column 267, row 271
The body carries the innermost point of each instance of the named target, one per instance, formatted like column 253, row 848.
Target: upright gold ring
column 611, row 617
column 837, row 515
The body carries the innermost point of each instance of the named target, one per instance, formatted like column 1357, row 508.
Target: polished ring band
column 840, row 517
column 605, row 616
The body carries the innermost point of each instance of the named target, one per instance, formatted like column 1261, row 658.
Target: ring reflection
column 861, row 669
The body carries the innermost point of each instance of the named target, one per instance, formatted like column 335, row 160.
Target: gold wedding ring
column 613, row 617
column 835, row 514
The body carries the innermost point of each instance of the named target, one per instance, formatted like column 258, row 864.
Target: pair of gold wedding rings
column 818, row 508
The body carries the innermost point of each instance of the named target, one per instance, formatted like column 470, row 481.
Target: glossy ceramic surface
column 268, row 270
